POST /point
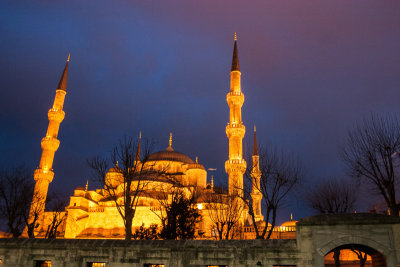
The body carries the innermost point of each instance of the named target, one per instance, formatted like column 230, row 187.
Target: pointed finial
column 255, row 147
column 87, row 184
column 169, row 148
column 138, row 150
column 62, row 85
column 235, row 58
column 197, row 159
column 117, row 164
column 69, row 56
column 291, row 216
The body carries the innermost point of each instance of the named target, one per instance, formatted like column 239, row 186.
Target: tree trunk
column 336, row 257
column 31, row 230
column 128, row 226
column 394, row 209
column 273, row 223
column 363, row 259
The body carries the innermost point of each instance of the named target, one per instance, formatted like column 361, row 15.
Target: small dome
column 116, row 168
column 80, row 188
column 196, row 166
column 170, row 155
column 289, row 224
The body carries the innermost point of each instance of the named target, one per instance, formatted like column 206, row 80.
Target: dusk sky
column 310, row 70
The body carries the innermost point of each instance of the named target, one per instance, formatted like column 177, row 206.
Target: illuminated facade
column 93, row 213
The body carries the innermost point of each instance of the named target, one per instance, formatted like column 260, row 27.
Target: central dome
column 170, row 155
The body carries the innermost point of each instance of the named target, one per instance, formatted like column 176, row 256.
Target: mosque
column 93, row 214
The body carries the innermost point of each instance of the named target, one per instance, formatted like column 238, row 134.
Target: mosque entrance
column 354, row 255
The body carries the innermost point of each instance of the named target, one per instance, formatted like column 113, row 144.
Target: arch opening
column 354, row 255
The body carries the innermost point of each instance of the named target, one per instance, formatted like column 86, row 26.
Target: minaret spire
column 44, row 174
column 62, row 85
column 235, row 58
column 255, row 147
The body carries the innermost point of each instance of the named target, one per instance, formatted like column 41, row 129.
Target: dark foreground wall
column 121, row 253
column 316, row 236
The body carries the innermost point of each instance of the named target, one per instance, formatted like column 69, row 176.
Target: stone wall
column 137, row 253
column 316, row 236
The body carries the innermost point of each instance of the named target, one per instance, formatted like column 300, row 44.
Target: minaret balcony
column 235, row 98
column 235, row 129
column 256, row 173
column 235, row 166
column 43, row 175
column 56, row 115
column 50, row 143
column 256, row 194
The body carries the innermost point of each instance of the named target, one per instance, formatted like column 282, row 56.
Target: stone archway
column 348, row 240
column 349, row 256
column 379, row 252
column 321, row 234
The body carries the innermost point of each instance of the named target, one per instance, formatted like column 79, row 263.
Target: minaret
column 256, row 195
column 43, row 175
column 235, row 130
column 138, row 151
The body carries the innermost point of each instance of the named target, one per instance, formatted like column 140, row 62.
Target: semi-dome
column 170, row 155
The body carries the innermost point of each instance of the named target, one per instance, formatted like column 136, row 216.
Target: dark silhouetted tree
column 16, row 189
column 333, row 196
column 280, row 173
column 179, row 214
column 147, row 233
column 57, row 218
column 372, row 154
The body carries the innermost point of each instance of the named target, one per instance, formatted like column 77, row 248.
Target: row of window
column 91, row 264
column 102, row 264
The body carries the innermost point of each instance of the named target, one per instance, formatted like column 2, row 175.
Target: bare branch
column 372, row 154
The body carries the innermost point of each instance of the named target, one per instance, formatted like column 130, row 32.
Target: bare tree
column 130, row 178
column 332, row 196
column 372, row 154
column 16, row 189
column 224, row 212
column 280, row 172
column 362, row 256
column 36, row 208
column 57, row 218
